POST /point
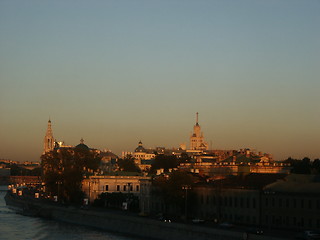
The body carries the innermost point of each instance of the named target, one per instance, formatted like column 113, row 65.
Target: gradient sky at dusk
column 116, row 72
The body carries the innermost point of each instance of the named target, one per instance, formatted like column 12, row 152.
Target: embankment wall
column 126, row 224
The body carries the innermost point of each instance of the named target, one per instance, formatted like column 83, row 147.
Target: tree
column 164, row 161
column 17, row 170
column 184, row 158
column 64, row 169
column 316, row 166
column 127, row 164
column 300, row 166
column 170, row 189
column 115, row 200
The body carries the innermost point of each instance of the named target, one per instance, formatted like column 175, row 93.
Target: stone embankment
column 125, row 224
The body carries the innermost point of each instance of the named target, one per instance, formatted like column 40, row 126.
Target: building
column 48, row 142
column 292, row 203
column 93, row 186
column 267, row 200
column 197, row 139
column 140, row 153
column 4, row 171
column 108, row 161
column 223, row 163
column 234, row 199
column 145, row 196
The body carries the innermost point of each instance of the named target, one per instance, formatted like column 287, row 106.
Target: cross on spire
column 197, row 117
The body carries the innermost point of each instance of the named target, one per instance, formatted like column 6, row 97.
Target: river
column 18, row 227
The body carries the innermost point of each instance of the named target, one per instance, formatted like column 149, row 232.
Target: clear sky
column 116, row 72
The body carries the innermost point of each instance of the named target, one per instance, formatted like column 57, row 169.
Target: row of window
column 230, row 217
column 293, row 221
column 268, row 202
column 124, row 188
column 292, row 203
column 229, row 201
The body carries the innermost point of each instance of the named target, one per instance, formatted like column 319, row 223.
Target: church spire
column 197, row 116
column 49, row 130
column 48, row 139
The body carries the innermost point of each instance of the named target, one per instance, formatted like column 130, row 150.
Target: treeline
column 18, row 170
column 161, row 161
column 304, row 166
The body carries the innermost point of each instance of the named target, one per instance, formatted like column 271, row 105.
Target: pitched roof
column 250, row 181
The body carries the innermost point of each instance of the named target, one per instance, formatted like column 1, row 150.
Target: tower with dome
column 197, row 139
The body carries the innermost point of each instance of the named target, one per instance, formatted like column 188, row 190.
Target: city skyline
column 114, row 73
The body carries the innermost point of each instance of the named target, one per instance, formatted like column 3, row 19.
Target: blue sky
column 116, row 72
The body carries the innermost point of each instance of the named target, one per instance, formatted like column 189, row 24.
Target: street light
column 186, row 187
column 58, row 195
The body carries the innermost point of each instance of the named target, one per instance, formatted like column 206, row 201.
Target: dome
column 140, row 148
column 82, row 145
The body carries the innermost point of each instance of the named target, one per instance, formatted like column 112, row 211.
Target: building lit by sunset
column 197, row 142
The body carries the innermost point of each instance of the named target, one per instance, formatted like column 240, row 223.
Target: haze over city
column 116, row 72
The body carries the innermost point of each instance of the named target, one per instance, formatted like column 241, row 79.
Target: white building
column 95, row 185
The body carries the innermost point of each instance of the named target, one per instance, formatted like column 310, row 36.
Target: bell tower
column 48, row 143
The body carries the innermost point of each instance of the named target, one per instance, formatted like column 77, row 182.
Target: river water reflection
column 18, row 227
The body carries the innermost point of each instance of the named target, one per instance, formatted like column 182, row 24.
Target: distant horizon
column 167, row 147
column 116, row 72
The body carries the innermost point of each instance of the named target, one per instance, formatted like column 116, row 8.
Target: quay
column 123, row 223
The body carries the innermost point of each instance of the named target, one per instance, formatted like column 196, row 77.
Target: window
column 214, row 200
column 310, row 204
column 254, row 221
column 107, row 187
column 124, row 187
column 310, row 223
column 118, row 187
column 254, row 203
column 280, row 202
column 137, row 188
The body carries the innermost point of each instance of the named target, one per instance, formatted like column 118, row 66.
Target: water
column 18, row 227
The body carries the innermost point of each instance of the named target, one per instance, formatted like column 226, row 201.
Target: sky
column 116, row 72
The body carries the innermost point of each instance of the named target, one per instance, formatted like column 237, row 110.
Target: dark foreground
column 126, row 224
